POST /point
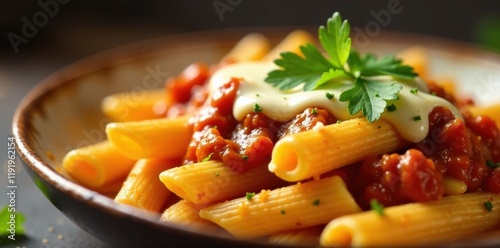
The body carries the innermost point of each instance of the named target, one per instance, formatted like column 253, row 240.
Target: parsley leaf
column 369, row 92
column 249, row 195
column 369, row 96
column 257, row 108
column 377, row 207
column 492, row 165
column 388, row 65
column 208, row 158
column 392, row 108
column 329, row 95
column 298, row 70
column 488, row 205
column 335, row 40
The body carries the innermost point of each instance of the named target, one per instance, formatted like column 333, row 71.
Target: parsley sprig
column 368, row 93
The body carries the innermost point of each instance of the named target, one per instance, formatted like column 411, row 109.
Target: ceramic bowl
column 63, row 112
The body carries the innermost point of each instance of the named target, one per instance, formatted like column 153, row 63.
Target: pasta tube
column 453, row 186
column 143, row 188
column 135, row 105
column 291, row 43
column 306, row 154
column 157, row 138
column 305, row 237
column 186, row 213
column 251, row 47
column 212, row 181
column 450, row 218
column 418, row 58
column 97, row 165
column 292, row 207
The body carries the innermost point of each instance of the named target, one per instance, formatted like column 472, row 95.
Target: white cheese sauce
column 285, row 105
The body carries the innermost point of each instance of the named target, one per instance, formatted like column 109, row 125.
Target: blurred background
column 39, row 37
column 71, row 29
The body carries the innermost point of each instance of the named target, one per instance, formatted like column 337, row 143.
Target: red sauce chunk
column 187, row 92
column 454, row 149
column 179, row 88
column 306, row 121
column 396, row 179
column 246, row 144
column 213, row 124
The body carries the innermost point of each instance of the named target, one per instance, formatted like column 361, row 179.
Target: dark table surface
column 45, row 225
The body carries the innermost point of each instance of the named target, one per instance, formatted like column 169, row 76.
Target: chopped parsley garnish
column 339, row 121
column 492, row 164
column 250, row 195
column 329, row 95
column 314, row 111
column 207, row 158
column 257, row 95
column 377, row 207
column 257, row 108
column 316, row 202
column 217, row 174
column 488, row 205
column 391, row 108
column 417, row 118
column 244, row 157
column 368, row 93
column 414, row 90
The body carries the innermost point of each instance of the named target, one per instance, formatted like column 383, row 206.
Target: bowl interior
column 63, row 112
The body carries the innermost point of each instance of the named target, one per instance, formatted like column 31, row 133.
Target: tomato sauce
column 246, row 144
column 454, row 148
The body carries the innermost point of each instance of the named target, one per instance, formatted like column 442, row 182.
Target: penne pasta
column 143, row 188
column 135, row 105
column 305, row 237
column 453, row 186
column 416, row 57
column 291, row 43
column 251, row 47
column 97, row 165
column 167, row 138
column 292, row 207
column 310, row 153
column 447, row 219
column 212, row 181
column 187, row 214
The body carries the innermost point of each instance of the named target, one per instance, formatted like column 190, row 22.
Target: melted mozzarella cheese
column 285, row 105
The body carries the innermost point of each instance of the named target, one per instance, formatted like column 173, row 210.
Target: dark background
column 80, row 28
